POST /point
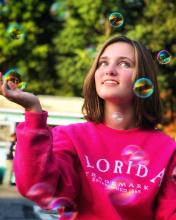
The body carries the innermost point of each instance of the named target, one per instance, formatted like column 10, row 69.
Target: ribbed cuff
column 36, row 119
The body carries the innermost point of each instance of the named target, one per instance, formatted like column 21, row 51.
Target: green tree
column 156, row 29
column 62, row 36
column 32, row 54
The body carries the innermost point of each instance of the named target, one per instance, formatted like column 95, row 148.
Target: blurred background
column 56, row 44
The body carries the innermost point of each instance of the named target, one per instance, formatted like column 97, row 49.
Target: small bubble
column 14, row 76
column 143, row 88
column 65, row 207
column 164, row 57
column 135, row 154
column 15, row 31
column 117, row 116
column 41, row 192
column 116, row 19
column 58, row 10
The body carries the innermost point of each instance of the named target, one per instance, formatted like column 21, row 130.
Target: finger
column 4, row 88
column 7, row 93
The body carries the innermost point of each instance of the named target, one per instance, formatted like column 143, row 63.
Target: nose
column 111, row 71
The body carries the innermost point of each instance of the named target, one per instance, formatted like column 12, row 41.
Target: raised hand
column 27, row 100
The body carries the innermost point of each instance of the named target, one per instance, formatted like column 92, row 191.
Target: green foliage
column 32, row 53
column 60, row 40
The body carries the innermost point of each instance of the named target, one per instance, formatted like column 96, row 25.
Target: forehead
column 119, row 49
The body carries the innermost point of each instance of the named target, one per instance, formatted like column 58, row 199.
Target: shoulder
column 79, row 127
column 76, row 127
column 163, row 136
column 165, row 140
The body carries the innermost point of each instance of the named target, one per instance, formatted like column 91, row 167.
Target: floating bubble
column 143, row 88
column 41, row 192
column 117, row 116
column 4, row 9
column 65, row 207
column 163, row 57
column 91, row 50
column 134, row 3
column 121, row 191
column 59, row 10
column 14, row 76
column 135, row 154
column 15, row 31
column 116, row 19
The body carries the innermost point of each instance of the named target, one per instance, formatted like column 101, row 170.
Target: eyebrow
column 119, row 58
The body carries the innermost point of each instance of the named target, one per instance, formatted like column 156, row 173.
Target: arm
column 44, row 164
column 166, row 204
column 44, row 157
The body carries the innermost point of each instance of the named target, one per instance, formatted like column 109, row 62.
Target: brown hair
column 148, row 112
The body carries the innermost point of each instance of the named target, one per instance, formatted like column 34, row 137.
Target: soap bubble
column 59, row 10
column 14, row 76
column 117, row 116
column 134, row 3
column 120, row 191
column 116, row 19
column 15, row 31
column 143, row 88
column 65, row 207
column 135, row 154
column 163, row 57
column 41, row 192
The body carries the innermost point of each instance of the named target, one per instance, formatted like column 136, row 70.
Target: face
column 113, row 76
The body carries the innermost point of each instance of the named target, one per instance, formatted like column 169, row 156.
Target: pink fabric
column 109, row 174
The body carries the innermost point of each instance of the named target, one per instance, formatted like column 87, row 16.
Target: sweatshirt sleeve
column 45, row 161
column 166, row 204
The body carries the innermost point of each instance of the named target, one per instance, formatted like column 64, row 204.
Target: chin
column 110, row 97
column 117, row 99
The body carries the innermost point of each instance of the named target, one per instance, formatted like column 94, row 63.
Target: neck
column 120, row 117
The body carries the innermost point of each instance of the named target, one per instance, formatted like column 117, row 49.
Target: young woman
column 117, row 165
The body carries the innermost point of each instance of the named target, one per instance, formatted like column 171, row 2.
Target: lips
column 110, row 82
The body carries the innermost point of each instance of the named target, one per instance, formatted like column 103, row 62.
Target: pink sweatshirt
column 110, row 174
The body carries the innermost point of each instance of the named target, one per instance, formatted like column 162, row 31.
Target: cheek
column 128, row 78
column 97, row 78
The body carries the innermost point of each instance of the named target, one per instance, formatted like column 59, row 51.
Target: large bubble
column 143, row 88
column 163, row 57
column 116, row 19
column 14, row 76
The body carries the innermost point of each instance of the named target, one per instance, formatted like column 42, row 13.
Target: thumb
column 5, row 89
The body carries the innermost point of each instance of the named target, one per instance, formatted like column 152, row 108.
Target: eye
column 102, row 63
column 125, row 64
